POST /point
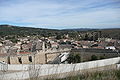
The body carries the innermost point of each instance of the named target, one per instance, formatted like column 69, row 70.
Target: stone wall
column 40, row 57
column 51, row 57
column 3, row 59
column 24, row 59
column 14, row 60
column 51, row 69
column 87, row 53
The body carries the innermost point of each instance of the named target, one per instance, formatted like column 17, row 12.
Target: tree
column 77, row 58
column 74, row 58
column 86, row 37
column 94, row 57
column 14, row 40
column 58, row 37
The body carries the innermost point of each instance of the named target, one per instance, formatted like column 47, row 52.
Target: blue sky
column 61, row 14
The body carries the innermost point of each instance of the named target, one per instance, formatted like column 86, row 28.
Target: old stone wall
column 100, row 53
column 51, row 57
column 40, row 57
column 25, row 59
column 3, row 59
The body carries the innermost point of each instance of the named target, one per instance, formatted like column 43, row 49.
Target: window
column 19, row 59
column 30, row 58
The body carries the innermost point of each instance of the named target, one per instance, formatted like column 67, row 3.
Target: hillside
column 80, row 29
column 6, row 30
column 22, row 31
column 111, row 33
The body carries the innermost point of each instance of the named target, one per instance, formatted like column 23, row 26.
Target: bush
column 94, row 57
column 74, row 58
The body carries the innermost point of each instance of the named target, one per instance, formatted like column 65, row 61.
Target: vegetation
column 102, row 57
column 74, row 58
column 98, row 75
column 94, row 57
column 24, row 31
column 76, row 34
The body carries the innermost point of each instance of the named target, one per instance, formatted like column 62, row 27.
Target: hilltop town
column 38, row 54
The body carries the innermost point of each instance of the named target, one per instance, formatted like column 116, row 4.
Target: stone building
column 13, row 56
column 28, row 57
column 24, row 58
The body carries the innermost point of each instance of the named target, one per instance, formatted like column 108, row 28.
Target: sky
column 61, row 14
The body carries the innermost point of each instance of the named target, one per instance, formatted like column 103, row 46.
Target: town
column 46, row 50
column 35, row 54
column 59, row 39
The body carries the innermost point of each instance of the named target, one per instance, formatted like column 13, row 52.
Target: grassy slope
column 99, row 75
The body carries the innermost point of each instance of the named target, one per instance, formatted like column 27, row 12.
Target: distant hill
column 17, row 30
column 23, row 31
column 111, row 33
column 106, row 33
column 80, row 29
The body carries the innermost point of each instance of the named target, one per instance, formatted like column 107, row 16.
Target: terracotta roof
column 99, row 47
column 54, row 43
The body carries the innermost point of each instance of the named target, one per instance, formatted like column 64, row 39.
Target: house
column 39, row 45
column 12, row 51
column 25, row 47
column 8, row 43
column 110, row 45
column 3, row 50
column 86, row 44
column 63, row 46
column 54, row 45
column 18, row 46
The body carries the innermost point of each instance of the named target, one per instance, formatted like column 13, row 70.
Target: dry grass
column 101, row 73
column 98, row 75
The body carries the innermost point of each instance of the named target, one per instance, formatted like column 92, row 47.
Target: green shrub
column 74, row 58
column 94, row 57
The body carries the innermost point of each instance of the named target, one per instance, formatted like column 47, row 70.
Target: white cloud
column 56, row 13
